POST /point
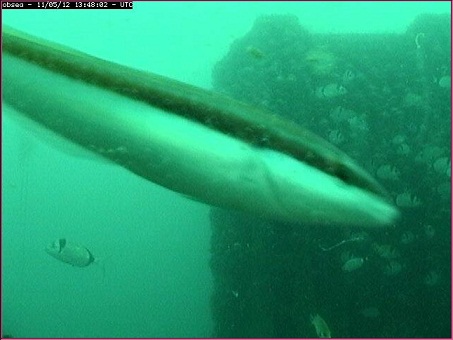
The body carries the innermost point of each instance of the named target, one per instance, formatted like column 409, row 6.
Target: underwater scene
column 227, row 170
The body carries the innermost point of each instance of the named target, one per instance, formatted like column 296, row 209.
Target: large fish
column 196, row 142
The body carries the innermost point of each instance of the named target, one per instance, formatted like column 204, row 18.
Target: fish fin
column 62, row 242
column 92, row 258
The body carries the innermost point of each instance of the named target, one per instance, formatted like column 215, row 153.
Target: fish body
column 370, row 312
column 336, row 137
column 445, row 82
column 348, row 77
column 353, row 264
column 407, row 237
column 386, row 251
column 340, row 114
column 388, row 172
column 432, row 278
column 255, row 52
column 429, row 154
column 358, row 124
column 407, row 200
column 321, row 61
column 330, row 91
column 321, row 327
column 70, row 253
column 403, row 149
column 444, row 189
column 399, row 139
column 442, row 166
column 429, row 231
column 392, row 268
column 195, row 142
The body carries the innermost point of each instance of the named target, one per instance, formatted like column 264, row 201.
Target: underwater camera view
column 227, row 170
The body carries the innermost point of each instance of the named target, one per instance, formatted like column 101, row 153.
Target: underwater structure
column 385, row 100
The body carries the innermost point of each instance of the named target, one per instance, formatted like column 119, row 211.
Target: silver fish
column 429, row 154
column 407, row 237
column 370, row 312
column 432, row 278
column 358, row 124
column 353, row 264
column 321, row 327
column 195, row 142
column 444, row 190
column 73, row 254
column 399, row 139
column 392, row 268
column 386, row 251
column 336, row 137
column 388, row 172
column 330, row 91
column 348, row 77
column 429, row 231
column 407, row 200
column 445, row 82
column 403, row 149
column 442, row 166
column 340, row 114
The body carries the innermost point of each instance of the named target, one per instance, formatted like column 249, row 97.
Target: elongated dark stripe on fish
column 234, row 118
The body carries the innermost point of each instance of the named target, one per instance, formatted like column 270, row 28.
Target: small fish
column 336, row 137
column 70, row 253
column 370, row 312
column 321, row 327
column 429, row 154
column 386, row 251
column 429, row 231
column 442, row 166
column 358, row 124
column 353, row 264
column 407, row 200
column 444, row 190
column 413, row 100
column 403, row 149
column 255, row 52
column 398, row 139
column 330, row 91
column 340, row 114
column 321, row 61
column 348, row 77
column 359, row 236
column 432, row 278
column 445, row 82
column 407, row 237
column 345, row 255
column 392, row 268
column 389, row 172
